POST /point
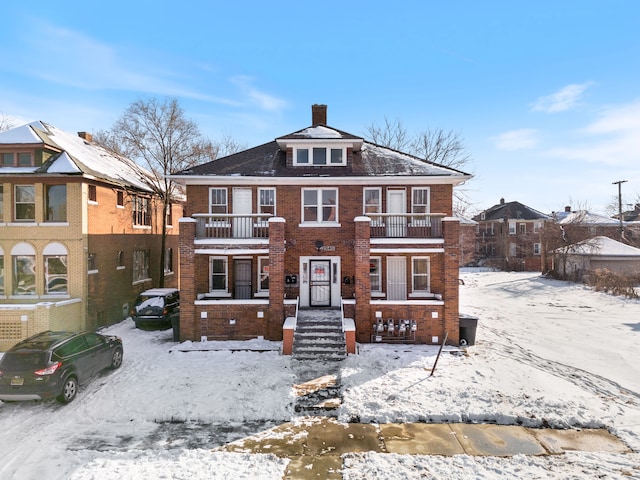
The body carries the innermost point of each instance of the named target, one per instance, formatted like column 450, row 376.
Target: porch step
column 319, row 336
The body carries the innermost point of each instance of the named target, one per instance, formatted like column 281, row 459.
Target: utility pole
column 619, row 183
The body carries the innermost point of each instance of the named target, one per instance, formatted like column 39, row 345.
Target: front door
column 320, row 283
column 242, row 226
column 242, row 278
column 396, row 204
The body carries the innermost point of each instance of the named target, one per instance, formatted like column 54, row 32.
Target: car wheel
column 116, row 359
column 69, row 390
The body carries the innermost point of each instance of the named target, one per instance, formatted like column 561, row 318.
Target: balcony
column 406, row 225
column 245, row 226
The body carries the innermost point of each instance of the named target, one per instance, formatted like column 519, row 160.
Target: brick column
column 189, row 325
column 276, row 278
column 451, row 231
column 362, row 252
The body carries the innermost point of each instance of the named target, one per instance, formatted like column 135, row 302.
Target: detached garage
column 595, row 253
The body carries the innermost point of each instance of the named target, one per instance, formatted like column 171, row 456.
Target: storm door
column 242, row 225
column 242, row 278
column 320, row 283
column 397, row 207
column 396, row 278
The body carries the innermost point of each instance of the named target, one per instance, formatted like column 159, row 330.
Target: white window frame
column 536, row 226
column 225, row 274
column 261, row 205
column 378, row 261
column 328, row 149
column 226, row 200
column 367, row 206
column 319, row 206
column 27, row 204
column 168, row 260
column 523, row 229
column 536, row 248
column 141, row 211
column 262, row 274
column 426, row 206
column 414, row 291
column 512, row 227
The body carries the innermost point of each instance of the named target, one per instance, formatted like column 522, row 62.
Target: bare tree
column 6, row 122
column 438, row 146
column 156, row 134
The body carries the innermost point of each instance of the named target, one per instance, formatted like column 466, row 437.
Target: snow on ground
column 547, row 353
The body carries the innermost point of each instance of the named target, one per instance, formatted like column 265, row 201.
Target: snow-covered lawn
column 547, row 353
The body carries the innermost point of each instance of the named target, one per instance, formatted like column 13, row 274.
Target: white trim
column 231, row 251
column 407, row 241
column 407, row 250
column 226, row 180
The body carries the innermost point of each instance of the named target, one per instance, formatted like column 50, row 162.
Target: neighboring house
column 468, row 249
column 508, row 237
column 78, row 233
column 594, row 253
column 631, row 219
column 323, row 219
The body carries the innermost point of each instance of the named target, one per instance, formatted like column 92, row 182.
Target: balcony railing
column 231, row 225
column 406, row 225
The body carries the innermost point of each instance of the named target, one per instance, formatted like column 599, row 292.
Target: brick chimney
column 567, row 209
column 86, row 136
column 318, row 114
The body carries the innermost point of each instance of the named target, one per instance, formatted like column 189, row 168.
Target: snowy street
column 547, row 353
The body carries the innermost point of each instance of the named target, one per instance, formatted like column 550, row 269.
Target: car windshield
column 23, row 360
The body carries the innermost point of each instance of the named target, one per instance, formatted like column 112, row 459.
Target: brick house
column 508, row 237
column 319, row 219
column 78, row 233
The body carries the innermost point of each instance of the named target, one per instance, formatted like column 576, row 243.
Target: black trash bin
column 468, row 327
column 175, row 323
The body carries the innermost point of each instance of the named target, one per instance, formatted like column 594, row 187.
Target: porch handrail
column 410, row 225
column 231, row 225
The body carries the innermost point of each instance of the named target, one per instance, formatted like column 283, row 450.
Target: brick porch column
column 362, row 251
column 276, row 279
column 189, row 325
column 451, row 231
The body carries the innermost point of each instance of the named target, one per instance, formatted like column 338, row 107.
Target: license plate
column 17, row 381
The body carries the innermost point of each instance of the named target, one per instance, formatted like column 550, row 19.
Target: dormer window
column 320, row 156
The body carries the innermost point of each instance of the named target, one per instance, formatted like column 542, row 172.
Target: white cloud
column 516, row 139
column 256, row 97
column 564, row 99
column 612, row 139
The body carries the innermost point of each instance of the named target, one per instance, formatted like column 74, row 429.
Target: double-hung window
column 375, row 275
column 218, row 200
column 140, row 265
column 512, row 227
column 372, row 200
column 266, row 203
column 25, row 203
column 218, row 275
column 263, row 274
column 320, row 205
column 421, row 280
column 420, row 207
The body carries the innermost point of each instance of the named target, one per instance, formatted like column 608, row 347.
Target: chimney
column 567, row 209
column 86, row 136
column 502, row 201
column 318, row 114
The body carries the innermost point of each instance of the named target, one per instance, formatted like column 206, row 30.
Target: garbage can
column 468, row 327
column 175, row 323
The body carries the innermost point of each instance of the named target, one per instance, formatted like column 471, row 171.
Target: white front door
column 320, row 284
column 396, row 203
column 396, row 278
column 243, row 226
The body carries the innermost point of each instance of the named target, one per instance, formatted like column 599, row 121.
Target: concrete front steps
column 319, row 336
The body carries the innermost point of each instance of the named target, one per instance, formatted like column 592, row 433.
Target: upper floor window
column 372, row 198
column 93, row 193
column 523, row 228
column 375, row 274
column 537, row 226
column 120, row 198
column 420, row 200
column 536, row 249
column 56, row 203
column 1, row 203
column 20, row 159
column 218, row 200
column 25, row 203
column 141, row 211
column 267, row 201
column 512, row 227
column 320, row 205
column 169, row 215
column 319, row 156
column 140, row 265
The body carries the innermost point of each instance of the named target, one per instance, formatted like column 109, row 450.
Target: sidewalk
column 315, row 445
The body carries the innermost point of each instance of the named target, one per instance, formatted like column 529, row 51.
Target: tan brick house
column 78, row 233
column 319, row 219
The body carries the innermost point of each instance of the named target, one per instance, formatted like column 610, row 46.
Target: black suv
column 52, row 364
column 156, row 307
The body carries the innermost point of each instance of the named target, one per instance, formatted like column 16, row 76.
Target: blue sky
column 545, row 94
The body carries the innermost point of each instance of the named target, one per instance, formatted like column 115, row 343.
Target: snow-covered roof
column 77, row 156
column 604, row 246
column 586, row 217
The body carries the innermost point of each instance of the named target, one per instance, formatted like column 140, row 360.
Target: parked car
column 156, row 307
column 53, row 364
